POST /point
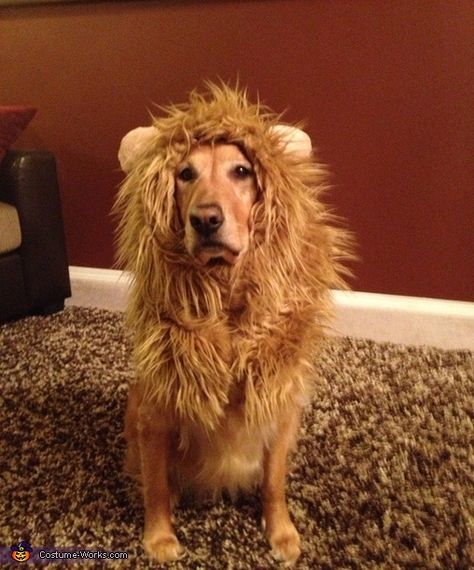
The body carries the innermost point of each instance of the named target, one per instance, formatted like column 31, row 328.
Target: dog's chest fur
column 230, row 456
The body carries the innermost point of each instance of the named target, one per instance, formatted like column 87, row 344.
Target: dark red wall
column 386, row 88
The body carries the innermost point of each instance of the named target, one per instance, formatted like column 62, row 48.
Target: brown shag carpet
column 383, row 475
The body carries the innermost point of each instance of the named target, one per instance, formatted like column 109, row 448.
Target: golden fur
column 223, row 353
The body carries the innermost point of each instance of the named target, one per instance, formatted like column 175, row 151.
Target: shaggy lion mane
column 203, row 335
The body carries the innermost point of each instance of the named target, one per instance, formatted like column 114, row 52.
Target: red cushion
column 13, row 120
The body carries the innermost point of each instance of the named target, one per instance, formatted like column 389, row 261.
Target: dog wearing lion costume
column 233, row 255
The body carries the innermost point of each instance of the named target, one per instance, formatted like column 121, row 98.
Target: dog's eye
column 241, row 171
column 187, row 174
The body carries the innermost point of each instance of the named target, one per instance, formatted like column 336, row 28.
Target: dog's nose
column 206, row 220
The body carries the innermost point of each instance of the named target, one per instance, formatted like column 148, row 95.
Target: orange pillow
column 13, row 120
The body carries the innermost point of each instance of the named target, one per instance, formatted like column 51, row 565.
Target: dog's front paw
column 163, row 548
column 285, row 542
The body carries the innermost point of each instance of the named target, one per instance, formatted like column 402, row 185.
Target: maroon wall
column 386, row 89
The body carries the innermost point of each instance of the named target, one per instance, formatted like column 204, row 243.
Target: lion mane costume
column 199, row 334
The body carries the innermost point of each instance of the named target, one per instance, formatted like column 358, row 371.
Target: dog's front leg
column 159, row 540
column 280, row 531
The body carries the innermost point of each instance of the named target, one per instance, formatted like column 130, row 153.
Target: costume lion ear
column 133, row 147
column 296, row 141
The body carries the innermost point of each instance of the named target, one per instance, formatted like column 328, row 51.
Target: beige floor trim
column 400, row 319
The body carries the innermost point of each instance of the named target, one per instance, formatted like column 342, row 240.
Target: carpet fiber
column 382, row 478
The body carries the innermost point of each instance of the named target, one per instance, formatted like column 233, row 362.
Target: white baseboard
column 393, row 318
column 101, row 288
column 407, row 320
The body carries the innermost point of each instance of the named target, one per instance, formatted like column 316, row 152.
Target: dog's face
column 215, row 191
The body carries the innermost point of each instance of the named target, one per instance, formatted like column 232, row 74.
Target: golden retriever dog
column 232, row 255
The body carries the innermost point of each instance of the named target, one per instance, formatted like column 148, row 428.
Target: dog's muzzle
column 206, row 220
